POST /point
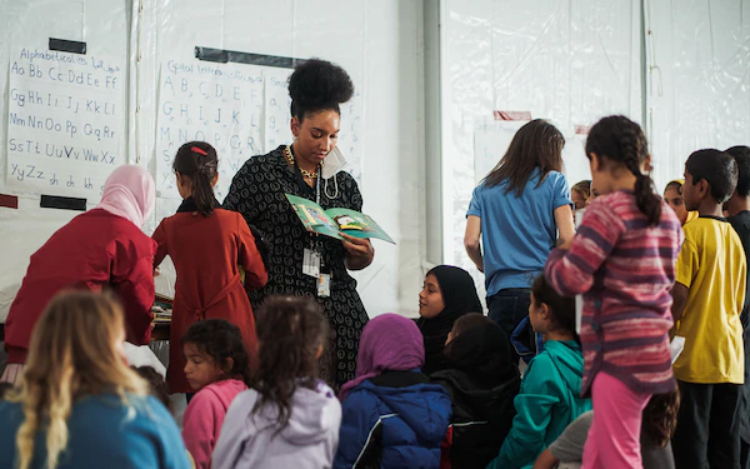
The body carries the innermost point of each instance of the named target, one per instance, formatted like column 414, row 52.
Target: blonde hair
column 72, row 353
column 583, row 188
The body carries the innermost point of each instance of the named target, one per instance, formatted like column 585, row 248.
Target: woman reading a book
column 301, row 263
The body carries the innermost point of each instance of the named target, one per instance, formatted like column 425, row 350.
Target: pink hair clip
column 200, row 151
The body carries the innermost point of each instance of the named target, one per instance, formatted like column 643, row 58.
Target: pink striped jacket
column 625, row 270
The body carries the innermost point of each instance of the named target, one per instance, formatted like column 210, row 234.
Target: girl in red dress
column 208, row 245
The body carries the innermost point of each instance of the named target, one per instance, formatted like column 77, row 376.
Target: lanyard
column 317, row 187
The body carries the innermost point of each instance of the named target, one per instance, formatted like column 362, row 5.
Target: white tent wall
column 698, row 79
column 570, row 61
column 379, row 43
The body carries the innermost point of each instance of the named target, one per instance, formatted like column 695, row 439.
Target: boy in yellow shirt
column 709, row 294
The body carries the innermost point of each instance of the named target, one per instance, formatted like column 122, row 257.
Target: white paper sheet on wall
column 65, row 122
column 221, row 104
column 350, row 137
column 277, row 112
column 491, row 141
column 576, row 165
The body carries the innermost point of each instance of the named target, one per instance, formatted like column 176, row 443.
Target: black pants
column 708, row 431
column 507, row 308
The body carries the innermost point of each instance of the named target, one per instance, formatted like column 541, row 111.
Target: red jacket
column 96, row 249
column 207, row 253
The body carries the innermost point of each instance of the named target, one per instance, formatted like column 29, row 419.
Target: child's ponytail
column 203, row 191
column 199, row 162
column 618, row 139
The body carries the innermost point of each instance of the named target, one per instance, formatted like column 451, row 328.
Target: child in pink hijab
column 102, row 248
column 129, row 192
column 392, row 415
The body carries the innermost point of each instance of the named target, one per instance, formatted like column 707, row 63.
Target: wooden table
column 160, row 332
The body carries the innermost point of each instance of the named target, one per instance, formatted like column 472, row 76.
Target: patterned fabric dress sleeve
column 239, row 196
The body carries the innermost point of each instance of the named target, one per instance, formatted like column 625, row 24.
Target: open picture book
column 335, row 221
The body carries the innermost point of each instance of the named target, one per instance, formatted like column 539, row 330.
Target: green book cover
column 335, row 221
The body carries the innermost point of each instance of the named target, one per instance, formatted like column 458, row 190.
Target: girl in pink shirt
column 217, row 369
column 622, row 260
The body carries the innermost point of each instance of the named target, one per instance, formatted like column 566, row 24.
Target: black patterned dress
column 257, row 192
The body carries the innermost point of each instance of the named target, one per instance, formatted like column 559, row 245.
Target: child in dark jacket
column 482, row 381
column 392, row 416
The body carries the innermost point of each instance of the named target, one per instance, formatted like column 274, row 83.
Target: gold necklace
column 290, row 160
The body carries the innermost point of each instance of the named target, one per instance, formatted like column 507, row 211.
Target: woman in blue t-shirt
column 517, row 211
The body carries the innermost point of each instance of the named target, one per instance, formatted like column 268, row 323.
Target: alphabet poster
column 242, row 110
column 65, row 122
column 216, row 103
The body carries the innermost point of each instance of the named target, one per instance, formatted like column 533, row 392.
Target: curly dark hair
column 291, row 332
column 199, row 162
column 318, row 85
column 741, row 155
column 618, row 139
column 718, row 168
column 221, row 340
column 156, row 382
column 660, row 416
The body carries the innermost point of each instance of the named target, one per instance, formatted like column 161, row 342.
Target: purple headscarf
column 389, row 342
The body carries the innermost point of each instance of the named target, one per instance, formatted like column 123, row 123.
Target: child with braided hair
column 622, row 260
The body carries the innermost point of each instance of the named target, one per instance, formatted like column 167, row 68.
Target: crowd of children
column 602, row 390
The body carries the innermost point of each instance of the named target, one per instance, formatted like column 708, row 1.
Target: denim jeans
column 507, row 308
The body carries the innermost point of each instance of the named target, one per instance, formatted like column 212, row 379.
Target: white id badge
column 311, row 263
column 324, row 286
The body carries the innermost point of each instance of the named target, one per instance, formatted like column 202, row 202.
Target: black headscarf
column 483, row 353
column 460, row 297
